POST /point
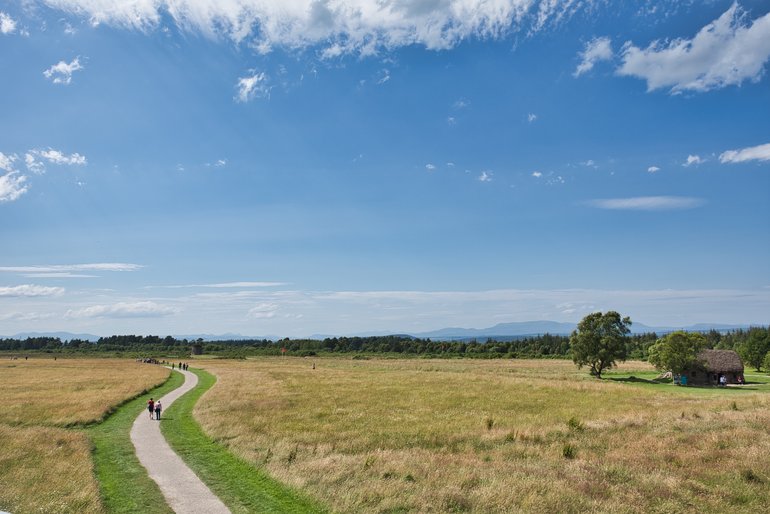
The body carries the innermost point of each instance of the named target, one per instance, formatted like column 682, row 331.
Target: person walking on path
column 151, row 407
column 158, row 408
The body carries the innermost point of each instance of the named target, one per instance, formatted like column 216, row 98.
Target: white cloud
column 726, row 52
column 57, row 157
column 754, row 153
column 430, row 167
column 253, row 86
column 598, row 49
column 144, row 309
column 33, row 164
column 7, row 24
column 693, row 159
column 12, row 186
column 6, row 161
column 29, row 290
column 531, row 117
column 338, row 26
column 653, row 169
column 61, row 72
column 220, row 163
column 648, row 203
column 537, row 174
column 63, row 268
column 461, row 104
column 485, row 177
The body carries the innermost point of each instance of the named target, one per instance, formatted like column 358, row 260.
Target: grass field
column 240, row 486
column 45, row 467
column 492, row 436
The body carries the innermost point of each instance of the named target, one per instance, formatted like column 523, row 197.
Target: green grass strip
column 240, row 485
column 123, row 481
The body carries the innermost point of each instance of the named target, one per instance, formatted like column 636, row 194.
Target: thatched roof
column 721, row 361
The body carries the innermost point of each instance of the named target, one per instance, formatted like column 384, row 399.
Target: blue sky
column 267, row 167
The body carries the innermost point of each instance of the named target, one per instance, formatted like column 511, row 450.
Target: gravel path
column 183, row 490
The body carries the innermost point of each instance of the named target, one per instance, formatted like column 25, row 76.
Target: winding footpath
column 183, row 490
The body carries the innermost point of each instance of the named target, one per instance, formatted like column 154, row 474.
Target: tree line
column 749, row 342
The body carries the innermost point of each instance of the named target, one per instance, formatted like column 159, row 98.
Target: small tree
column 766, row 362
column 677, row 352
column 599, row 341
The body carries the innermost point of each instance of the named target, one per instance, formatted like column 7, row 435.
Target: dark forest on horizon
column 538, row 346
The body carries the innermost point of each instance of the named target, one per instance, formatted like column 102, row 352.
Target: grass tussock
column 385, row 436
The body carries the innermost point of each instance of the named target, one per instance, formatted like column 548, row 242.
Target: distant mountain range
column 501, row 331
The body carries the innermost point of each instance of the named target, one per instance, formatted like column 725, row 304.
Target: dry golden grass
column 46, row 470
column 43, row 466
column 67, row 392
column 490, row 436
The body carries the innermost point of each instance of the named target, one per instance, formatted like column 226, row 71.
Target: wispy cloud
column 537, row 174
column 263, row 310
column 596, row 50
column 648, row 203
column 146, row 309
column 252, row 86
column 531, row 117
column 383, row 76
column 485, row 176
column 726, row 52
column 430, row 167
column 29, row 290
column 61, row 72
column 227, row 285
column 753, row 153
column 653, row 169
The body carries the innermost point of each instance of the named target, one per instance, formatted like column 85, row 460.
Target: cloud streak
column 145, row 309
column 754, row 153
column 63, row 268
column 28, row 290
column 648, row 203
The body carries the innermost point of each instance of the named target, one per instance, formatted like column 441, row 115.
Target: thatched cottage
column 714, row 363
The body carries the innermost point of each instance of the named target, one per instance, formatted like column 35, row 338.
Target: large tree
column 599, row 341
column 754, row 349
column 677, row 351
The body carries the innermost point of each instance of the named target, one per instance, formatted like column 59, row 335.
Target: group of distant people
column 149, row 360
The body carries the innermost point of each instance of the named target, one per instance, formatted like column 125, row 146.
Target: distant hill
column 534, row 328
column 64, row 336
column 501, row 332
